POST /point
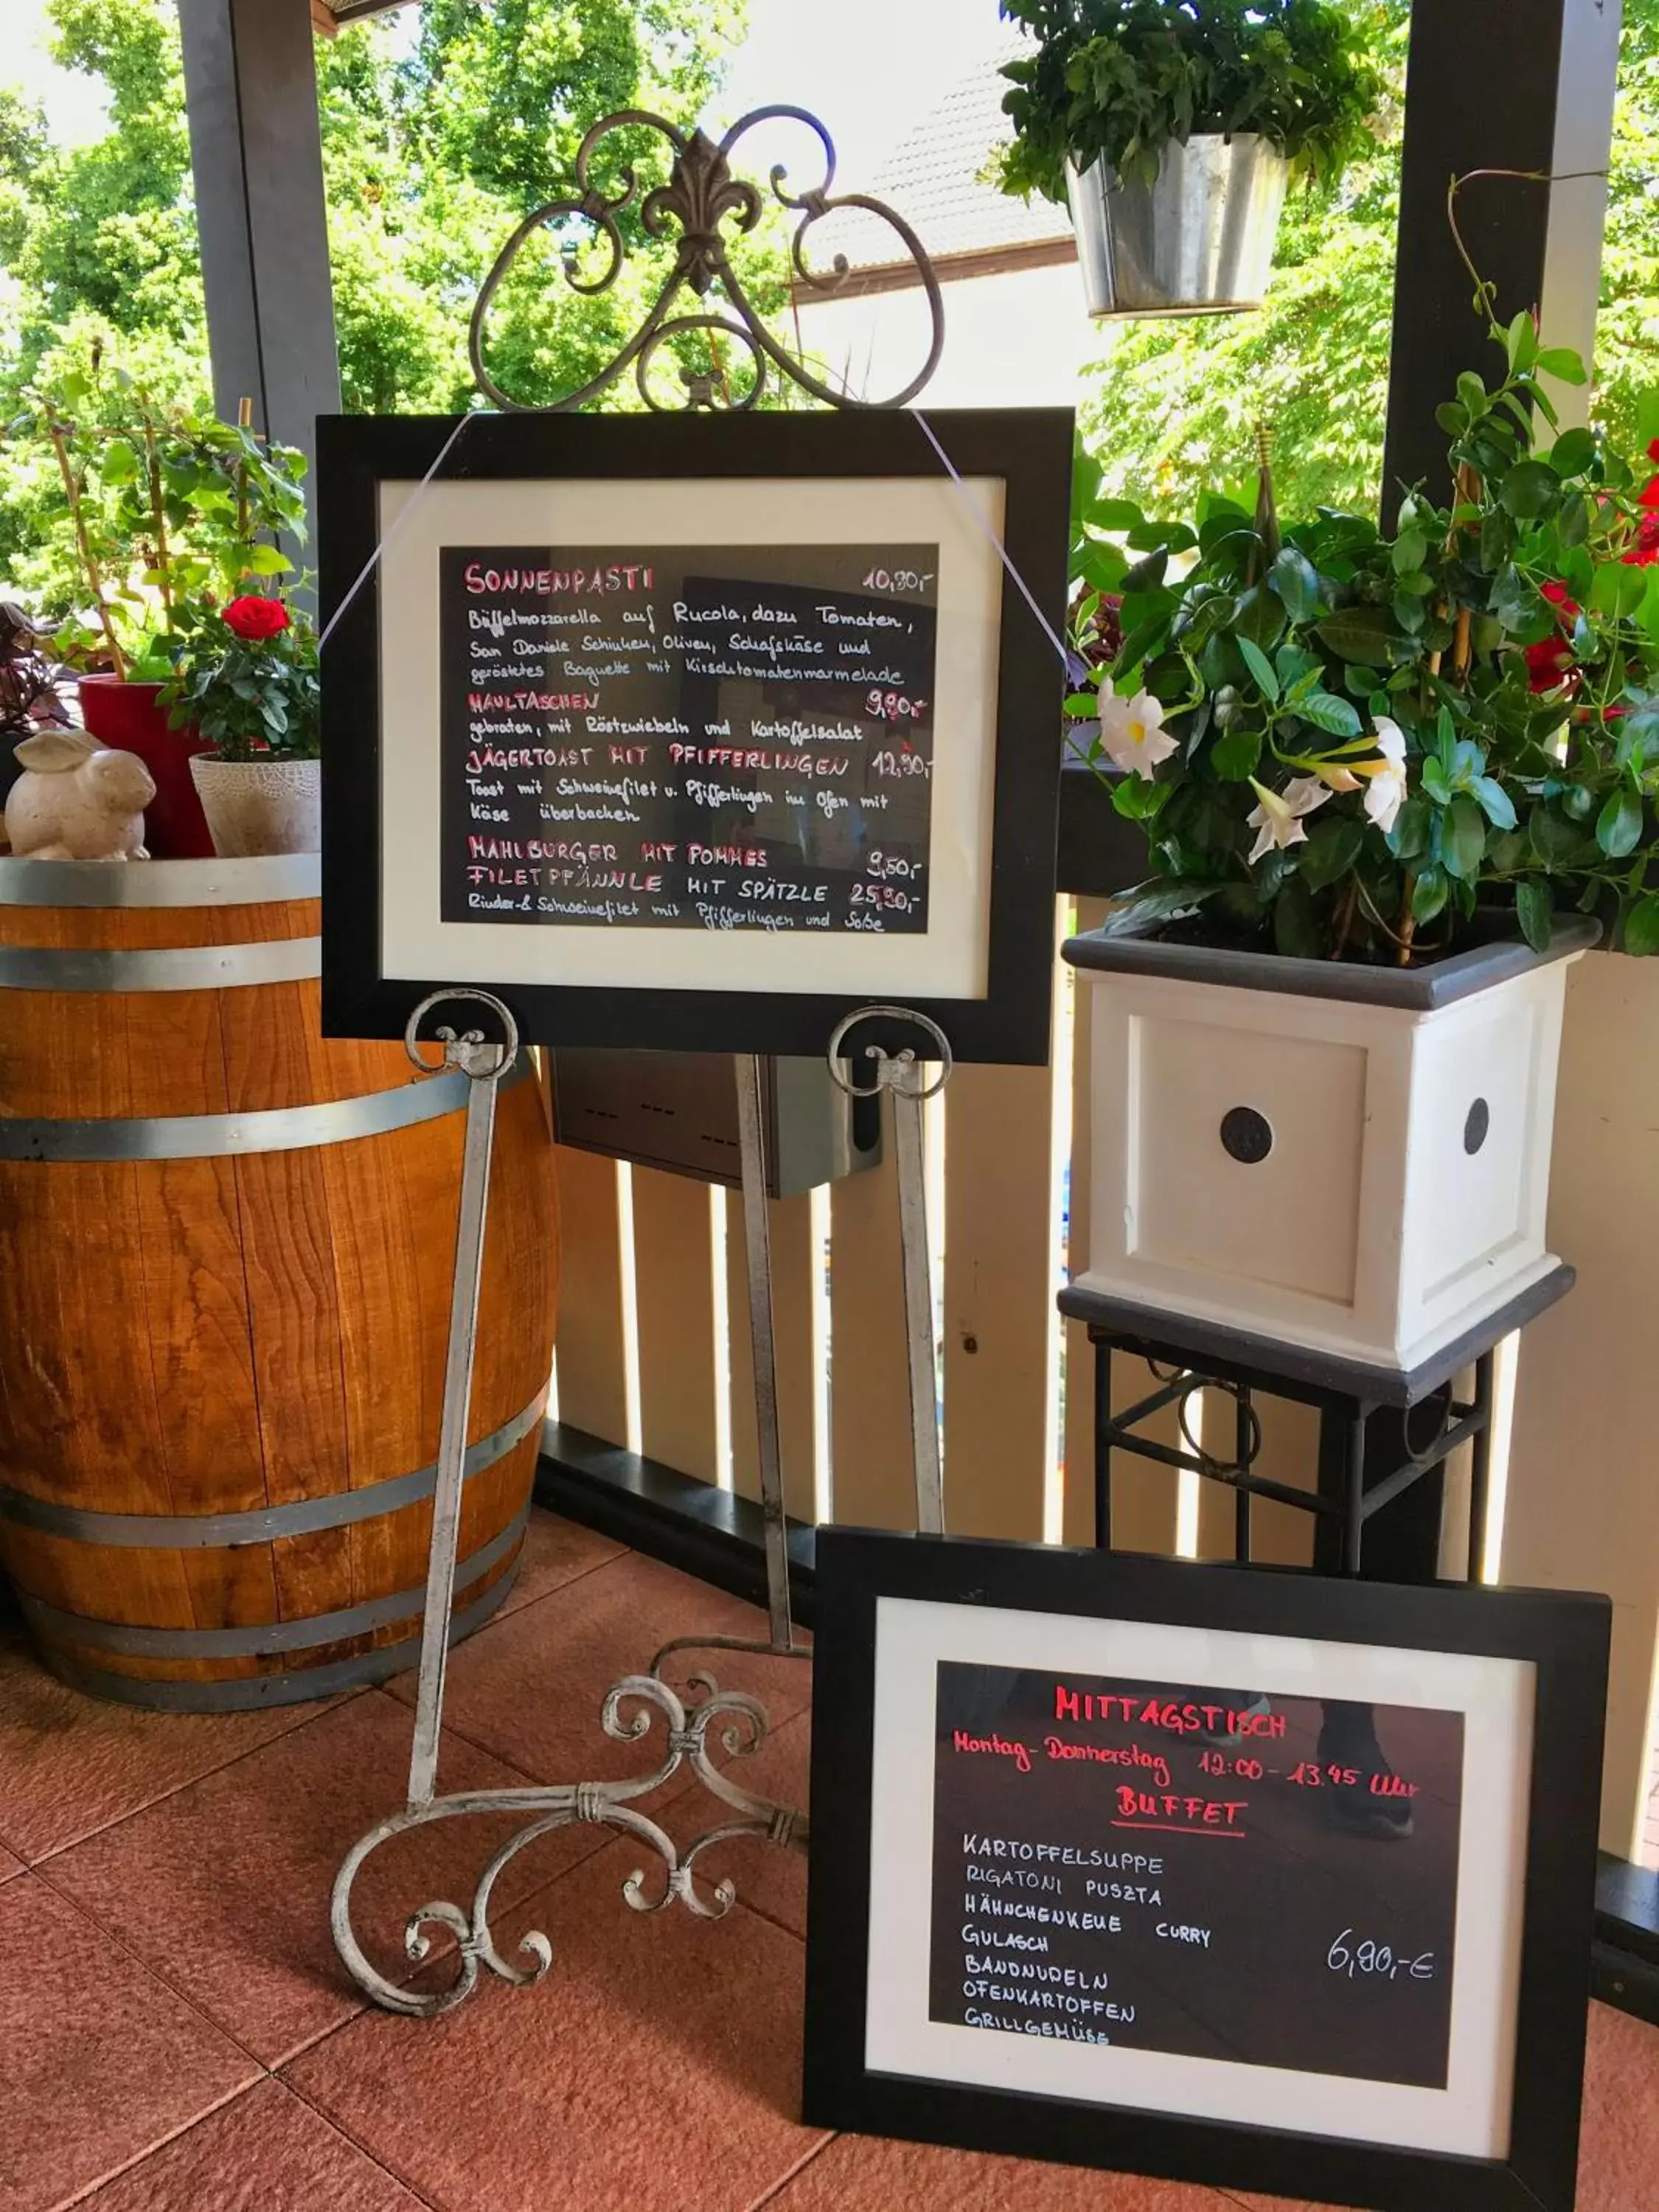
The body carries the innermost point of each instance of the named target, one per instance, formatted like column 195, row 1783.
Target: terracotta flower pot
column 127, row 716
column 255, row 807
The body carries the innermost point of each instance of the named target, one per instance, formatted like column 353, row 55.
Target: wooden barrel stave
column 290, row 1289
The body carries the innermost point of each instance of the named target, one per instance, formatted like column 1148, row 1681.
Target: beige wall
column 1583, row 1482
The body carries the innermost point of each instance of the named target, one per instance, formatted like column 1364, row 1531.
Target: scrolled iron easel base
column 626, row 1715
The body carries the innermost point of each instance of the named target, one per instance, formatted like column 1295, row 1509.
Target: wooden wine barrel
column 226, row 1246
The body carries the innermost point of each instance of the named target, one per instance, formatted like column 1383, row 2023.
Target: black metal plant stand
column 1382, row 1431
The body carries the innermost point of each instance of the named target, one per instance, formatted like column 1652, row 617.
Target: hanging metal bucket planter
column 1199, row 240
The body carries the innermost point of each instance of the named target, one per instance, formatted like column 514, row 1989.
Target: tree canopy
column 1175, row 406
column 439, row 137
column 433, row 150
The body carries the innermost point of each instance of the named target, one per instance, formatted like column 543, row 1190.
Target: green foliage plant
column 1117, row 81
column 1345, row 744
column 253, row 695
column 169, row 511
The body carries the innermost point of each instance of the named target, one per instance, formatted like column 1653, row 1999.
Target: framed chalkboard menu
column 695, row 733
column 1226, row 1874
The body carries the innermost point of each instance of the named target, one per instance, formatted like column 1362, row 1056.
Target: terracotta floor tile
column 528, row 1687
column 1619, row 2155
column 10, row 1866
column 656, row 2069
column 224, row 1887
column 1619, row 2158
column 266, row 2153
column 70, row 1764
column 101, row 2059
column 858, row 2173
column 555, row 1552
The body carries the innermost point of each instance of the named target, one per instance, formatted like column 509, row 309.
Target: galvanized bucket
column 1198, row 241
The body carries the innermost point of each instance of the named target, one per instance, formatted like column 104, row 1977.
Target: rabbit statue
column 77, row 801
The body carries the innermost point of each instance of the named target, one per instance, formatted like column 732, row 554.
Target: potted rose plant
column 1386, row 781
column 245, row 679
column 1172, row 127
column 171, row 512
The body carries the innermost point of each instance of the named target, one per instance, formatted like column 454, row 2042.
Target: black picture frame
column 1565, row 1638
column 1029, row 450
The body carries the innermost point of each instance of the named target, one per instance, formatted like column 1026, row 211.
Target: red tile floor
column 177, row 2036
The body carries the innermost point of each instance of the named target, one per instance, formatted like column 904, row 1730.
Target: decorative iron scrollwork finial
column 701, row 197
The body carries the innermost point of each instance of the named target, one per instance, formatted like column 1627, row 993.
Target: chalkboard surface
column 1173, row 1868
column 688, row 738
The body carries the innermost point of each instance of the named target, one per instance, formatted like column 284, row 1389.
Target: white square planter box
column 1352, row 1159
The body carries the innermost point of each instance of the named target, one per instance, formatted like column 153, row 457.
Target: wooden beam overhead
column 327, row 18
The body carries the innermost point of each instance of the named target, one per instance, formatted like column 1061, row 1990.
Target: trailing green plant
column 1342, row 744
column 245, row 679
column 170, row 510
column 1115, row 81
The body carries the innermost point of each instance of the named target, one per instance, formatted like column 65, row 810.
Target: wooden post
column 256, row 152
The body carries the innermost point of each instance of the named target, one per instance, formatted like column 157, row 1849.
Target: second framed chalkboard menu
column 695, row 733
column 1275, row 1882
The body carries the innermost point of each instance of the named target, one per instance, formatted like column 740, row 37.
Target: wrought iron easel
column 701, row 194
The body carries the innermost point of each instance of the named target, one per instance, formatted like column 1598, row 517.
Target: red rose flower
column 253, row 618
column 1653, row 451
column 1549, row 660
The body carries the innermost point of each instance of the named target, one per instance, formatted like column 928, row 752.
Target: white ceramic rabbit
column 77, row 801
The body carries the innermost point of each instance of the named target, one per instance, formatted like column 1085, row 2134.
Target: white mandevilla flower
column 1385, row 779
column 1278, row 820
column 1132, row 731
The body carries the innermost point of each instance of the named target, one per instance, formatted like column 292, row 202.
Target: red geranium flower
column 1653, row 451
column 252, row 617
column 1645, row 551
column 1549, row 660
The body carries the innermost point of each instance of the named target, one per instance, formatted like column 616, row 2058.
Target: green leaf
column 266, row 561
column 1357, row 634
column 120, row 462
column 1452, row 419
column 1082, row 706
column 1530, row 488
column 1534, row 909
column 1261, row 667
column 1572, row 524
column 1573, row 452
column 1562, row 363
column 1296, row 580
column 1430, row 893
column 1463, row 838
column 1411, row 549
column 1327, row 712
column 1146, row 575
column 1521, row 343
column 1472, row 395
column 1618, row 589
column 1409, row 838
column 1332, row 847
column 1237, row 756
column 1618, row 825
column 1296, row 934
column 1495, row 802
column 1115, row 513
column 1554, row 839
column 1642, row 927
column 1141, row 909
column 1259, row 615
